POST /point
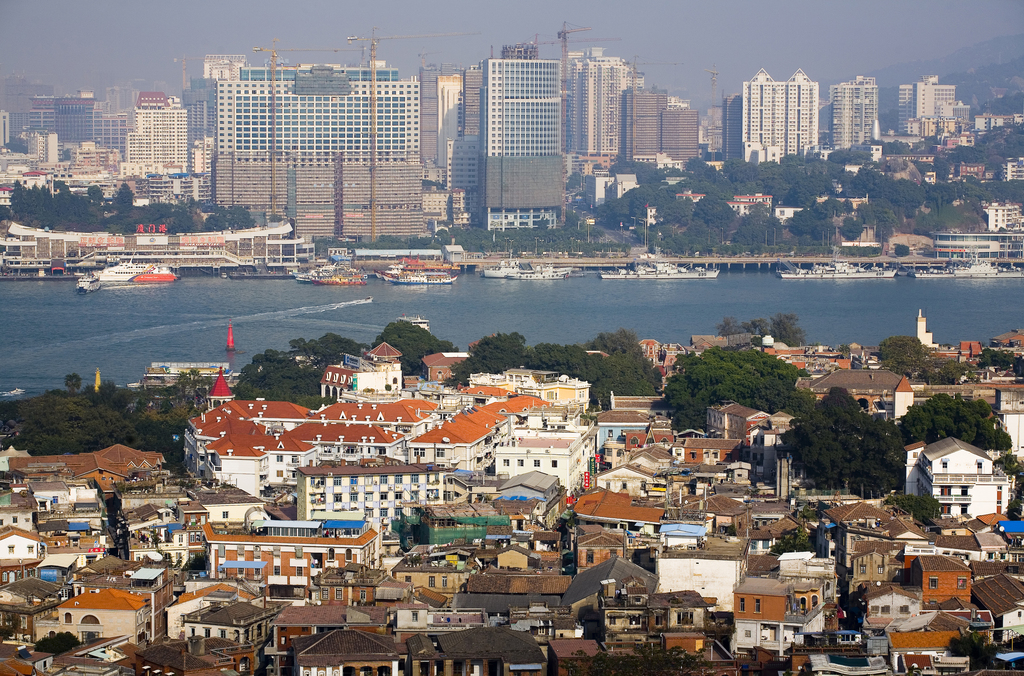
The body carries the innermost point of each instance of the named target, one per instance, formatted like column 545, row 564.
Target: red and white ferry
column 130, row 272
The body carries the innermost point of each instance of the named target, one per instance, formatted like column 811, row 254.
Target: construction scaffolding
column 399, row 198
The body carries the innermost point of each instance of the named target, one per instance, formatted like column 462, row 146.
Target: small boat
column 322, row 272
column 420, row 278
column 131, row 272
column 88, row 284
column 416, row 321
column 12, row 393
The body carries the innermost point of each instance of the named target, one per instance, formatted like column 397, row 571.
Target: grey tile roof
column 588, row 582
column 513, row 647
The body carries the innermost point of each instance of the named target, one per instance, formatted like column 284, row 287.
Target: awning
column 343, row 524
column 78, row 526
column 242, row 564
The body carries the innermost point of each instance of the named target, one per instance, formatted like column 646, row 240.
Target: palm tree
column 975, row 646
column 73, row 382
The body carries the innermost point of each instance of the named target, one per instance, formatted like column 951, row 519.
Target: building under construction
column 659, row 127
column 399, row 199
column 309, row 116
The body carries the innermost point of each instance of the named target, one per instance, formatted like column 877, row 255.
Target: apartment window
column 14, row 519
column 554, row 463
column 277, row 570
column 961, row 583
column 520, row 463
column 536, row 463
column 415, row 616
column 408, row 578
column 223, row 633
column 444, row 581
column 743, row 604
column 362, row 595
column 904, row 610
column 30, row 548
column 874, row 610
column 506, row 462
column 746, row 633
column 881, row 570
column 886, row 610
column 280, row 458
column 431, row 581
column 224, row 515
column 757, row 605
column 10, row 549
column 863, row 569
column 325, row 594
column 933, row 583
column 590, row 557
column 206, row 632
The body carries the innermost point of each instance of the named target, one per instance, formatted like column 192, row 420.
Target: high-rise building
column 732, row 127
column 779, row 118
column 200, row 100
column 74, row 117
column 5, row 127
column 119, row 99
column 321, row 117
column 112, row 131
column 663, row 124
column 429, row 102
column 223, row 66
column 158, row 140
column 44, row 146
column 593, row 102
column 472, row 83
column 521, row 140
column 17, row 97
column 924, row 98
column 854, row 111
column 449, row 103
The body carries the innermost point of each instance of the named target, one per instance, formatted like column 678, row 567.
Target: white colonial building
column 960, row 476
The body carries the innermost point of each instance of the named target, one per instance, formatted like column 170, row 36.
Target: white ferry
column 131, row 272
column 88, row 284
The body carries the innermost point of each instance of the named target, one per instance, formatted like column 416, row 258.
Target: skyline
column 83, row 54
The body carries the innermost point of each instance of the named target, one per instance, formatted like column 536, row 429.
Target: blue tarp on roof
column 242, row 564
column 1009, row 657
column 76, row 525
column 1013, row 527
column 343, row 524
column 684, row 530
column 171, row 527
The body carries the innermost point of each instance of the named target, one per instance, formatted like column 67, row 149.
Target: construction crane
column 423, row 58
column 184, row 60
column 715, row 119
column 273, row 50
column 374, row 40
column 632, row 106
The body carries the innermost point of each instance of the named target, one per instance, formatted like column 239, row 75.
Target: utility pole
column 374, row 40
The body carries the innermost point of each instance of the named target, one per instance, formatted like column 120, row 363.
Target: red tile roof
column 392, row 412
column 385, row 350
column 220, row 387
column 605, row 504
column 341, row 433
column 105, row 599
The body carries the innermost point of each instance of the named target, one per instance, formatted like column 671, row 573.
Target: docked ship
column 88, row 284
column 834, row 269
column 415, row 265
column 421, row 322
column 409, row 277
column 517, row 269
column 341, row 277
column 322, row 272
column 130, row 272
column 660, row 270
column 973, row 269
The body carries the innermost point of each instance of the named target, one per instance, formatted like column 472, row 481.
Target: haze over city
column 99, row 44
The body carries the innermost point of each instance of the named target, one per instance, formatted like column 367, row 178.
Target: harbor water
column 48, row 330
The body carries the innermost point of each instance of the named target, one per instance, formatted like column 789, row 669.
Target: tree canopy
column 943, row 416
column 57, row 644
column 646, row 658
column 921, row 507
column 294, row 375
column 414, row 342
column 905, row 355
column 750, row 377
column 841, row 446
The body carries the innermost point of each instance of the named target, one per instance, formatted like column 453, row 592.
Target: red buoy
column 231, row 338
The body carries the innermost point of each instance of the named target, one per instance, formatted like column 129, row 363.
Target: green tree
column 943, row 416
column 748, row 377
column 904, row 355
column 1001, row 359
column 57, row 644
column 841, row 445
column 975, row 646
column 414, row 342
column 56, row 423
column 125, row 198
column 729, row 327
column 73, row 383
column 647, row 659
column 901, row 250
column 95, row 194
column 797, row 541
column 785, row 328
column 492, row 354
column 921, row 507
column 328, row 349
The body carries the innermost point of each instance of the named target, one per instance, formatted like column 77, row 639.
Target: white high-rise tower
column 779, row 118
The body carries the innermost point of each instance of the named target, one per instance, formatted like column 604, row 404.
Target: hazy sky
column 100, row 43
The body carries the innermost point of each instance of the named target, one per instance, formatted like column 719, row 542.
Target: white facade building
column 594, row 102
column 449, row 102
column 854, row 111
column 560, row 453
column 159, row 136
column 779, row 118
column 1013, row 170
column 521, row 147
column 223, row 66
column 960, row 476
column 1003, row 216
column 924, row 98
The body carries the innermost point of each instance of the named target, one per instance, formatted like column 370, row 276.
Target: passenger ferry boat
column 429, row 278
column 322, row 272
column 835, row 269
column 131, row 272
column 660, row 270
column 88, row 284
column 342, row 278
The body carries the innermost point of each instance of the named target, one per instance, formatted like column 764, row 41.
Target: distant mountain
column 995, row 51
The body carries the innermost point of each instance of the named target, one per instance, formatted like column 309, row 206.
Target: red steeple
column 231, row 338
column 220, row 388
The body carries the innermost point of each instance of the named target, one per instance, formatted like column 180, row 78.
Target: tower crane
column 715, row 119
column 632, row 103
column 373, row 41
column 273, row 50
column 184, row 60
column 423, row 57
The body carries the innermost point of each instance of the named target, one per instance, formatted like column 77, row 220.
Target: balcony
column 954, row 498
